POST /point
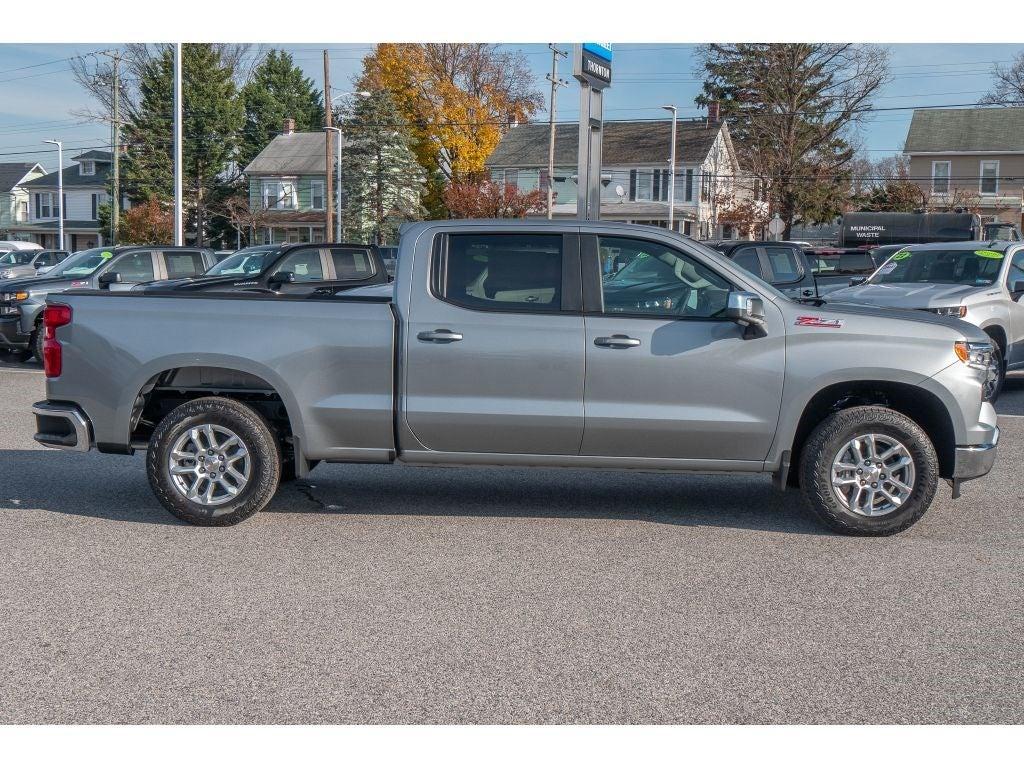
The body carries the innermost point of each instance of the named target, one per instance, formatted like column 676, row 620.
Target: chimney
column 713, row 112
column 289, row 126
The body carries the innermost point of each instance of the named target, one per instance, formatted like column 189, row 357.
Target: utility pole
column 672, row 170
column 179, row 237
column 556, row 82
column 115, row 127
column 329, row 136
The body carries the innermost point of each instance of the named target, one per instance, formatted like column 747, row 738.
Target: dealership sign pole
column 592, row 66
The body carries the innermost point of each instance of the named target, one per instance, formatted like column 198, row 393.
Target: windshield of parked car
column 245, row 262
column 15, row 258
column 82, row 264
column 961, row 266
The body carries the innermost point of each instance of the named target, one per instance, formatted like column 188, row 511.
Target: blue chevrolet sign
column 603, row 50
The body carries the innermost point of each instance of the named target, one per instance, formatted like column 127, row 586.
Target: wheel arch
column 916, row 403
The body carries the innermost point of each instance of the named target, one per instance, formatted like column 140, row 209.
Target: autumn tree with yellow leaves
column 456, row 99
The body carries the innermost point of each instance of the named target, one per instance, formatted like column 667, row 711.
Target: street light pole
column 179, row 238
column 672, row 170
column 60, row 191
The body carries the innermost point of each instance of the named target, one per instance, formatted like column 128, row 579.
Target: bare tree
column 1008, row 84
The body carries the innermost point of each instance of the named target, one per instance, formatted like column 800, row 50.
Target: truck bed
column 330, row 360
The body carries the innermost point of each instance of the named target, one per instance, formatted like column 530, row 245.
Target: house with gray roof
column 287, row 187
column 970, row 156
column 85, row 190
column 14, row 200
column 635, row 170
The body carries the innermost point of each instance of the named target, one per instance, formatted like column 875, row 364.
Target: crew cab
column 501, row 343
column 296, row 269
column 107, row 269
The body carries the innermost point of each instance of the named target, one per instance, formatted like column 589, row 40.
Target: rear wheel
column 213, row 461
column 869, row 471
column 36, row 343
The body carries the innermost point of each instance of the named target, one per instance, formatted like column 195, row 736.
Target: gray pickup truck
column 499, row 343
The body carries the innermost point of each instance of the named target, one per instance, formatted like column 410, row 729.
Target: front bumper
column 975, row 460
column 11, row 336
column 62, row 425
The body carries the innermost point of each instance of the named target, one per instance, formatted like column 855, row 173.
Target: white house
column 635, row 170
column 85, row 190
column 14, row 198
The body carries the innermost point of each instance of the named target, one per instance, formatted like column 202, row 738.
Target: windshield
column 82, row 264
column 13, row 258
column 947, row 267
column 244, row 262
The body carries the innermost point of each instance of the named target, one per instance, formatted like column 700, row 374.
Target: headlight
column 960, row 311
column 18, row 296
column 6, row 274
column 976, row 354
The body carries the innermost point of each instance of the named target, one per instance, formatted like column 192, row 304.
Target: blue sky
column 38, row 93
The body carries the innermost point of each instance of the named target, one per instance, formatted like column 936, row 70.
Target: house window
column 705, row 187
column 316, row 193
column 279, row 194
column 512, row 177
column 87, row 168
column 22, row 214
column 940, row 177
column 989, row 177
column 42, row 205
column 643, row 185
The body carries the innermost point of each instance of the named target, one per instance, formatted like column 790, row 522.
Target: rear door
column 494, row 351
column 668, row 376
column 181, row 264
column 787, row 271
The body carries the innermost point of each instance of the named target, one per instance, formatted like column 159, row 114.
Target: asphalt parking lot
column 384, row 594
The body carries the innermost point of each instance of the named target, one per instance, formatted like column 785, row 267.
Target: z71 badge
column 810, row 321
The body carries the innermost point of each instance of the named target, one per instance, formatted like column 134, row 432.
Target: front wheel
column 213, row 461
column 869, row 471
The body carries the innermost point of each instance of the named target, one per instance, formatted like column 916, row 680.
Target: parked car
column 800, row 273
column 389, row 255
column 980, row 282
column 299, row 269
column 109, row 269
column 499, row 344
column 31, row 262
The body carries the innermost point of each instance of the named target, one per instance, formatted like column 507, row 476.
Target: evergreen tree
column 212, row 118
column 278, row 90
column 383, row 182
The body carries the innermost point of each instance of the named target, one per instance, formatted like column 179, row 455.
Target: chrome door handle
column 440, row 336
column 617, row 341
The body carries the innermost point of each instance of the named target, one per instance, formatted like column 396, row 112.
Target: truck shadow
column 115, row 488
column 13, row 363
column 1011, row 400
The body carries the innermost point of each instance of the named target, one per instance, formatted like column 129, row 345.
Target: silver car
column 28, row 263
column 980, row 282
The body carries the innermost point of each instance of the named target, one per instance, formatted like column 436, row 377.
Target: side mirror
column 280, row 278
column 108, row 278
column 858, row 280
column 746, row 309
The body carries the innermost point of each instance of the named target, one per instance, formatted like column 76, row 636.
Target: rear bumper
column 11, row 336
column 975, row 460
column 61, row 425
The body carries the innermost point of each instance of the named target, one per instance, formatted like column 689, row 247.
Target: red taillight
column 54, row 316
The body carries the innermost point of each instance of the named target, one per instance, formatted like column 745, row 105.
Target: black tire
column 36, row 343
column 251, row 428
column 826, row 441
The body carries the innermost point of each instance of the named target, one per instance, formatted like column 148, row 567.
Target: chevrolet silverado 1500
column 502, row 343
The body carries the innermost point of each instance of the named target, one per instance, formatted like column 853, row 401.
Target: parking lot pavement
column 385, row 594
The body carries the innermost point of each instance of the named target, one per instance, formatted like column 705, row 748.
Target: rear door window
column 503, row 272
column 784, row 262
column 181, row 264
column 352, row 263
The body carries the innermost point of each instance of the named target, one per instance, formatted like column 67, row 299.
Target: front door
column 667, row 375
column 495, row 347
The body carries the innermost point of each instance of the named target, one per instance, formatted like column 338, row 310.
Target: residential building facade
column 85, row 190
column 287, row 188
column 972, row 158
column 14, row 197
column 635, row 171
